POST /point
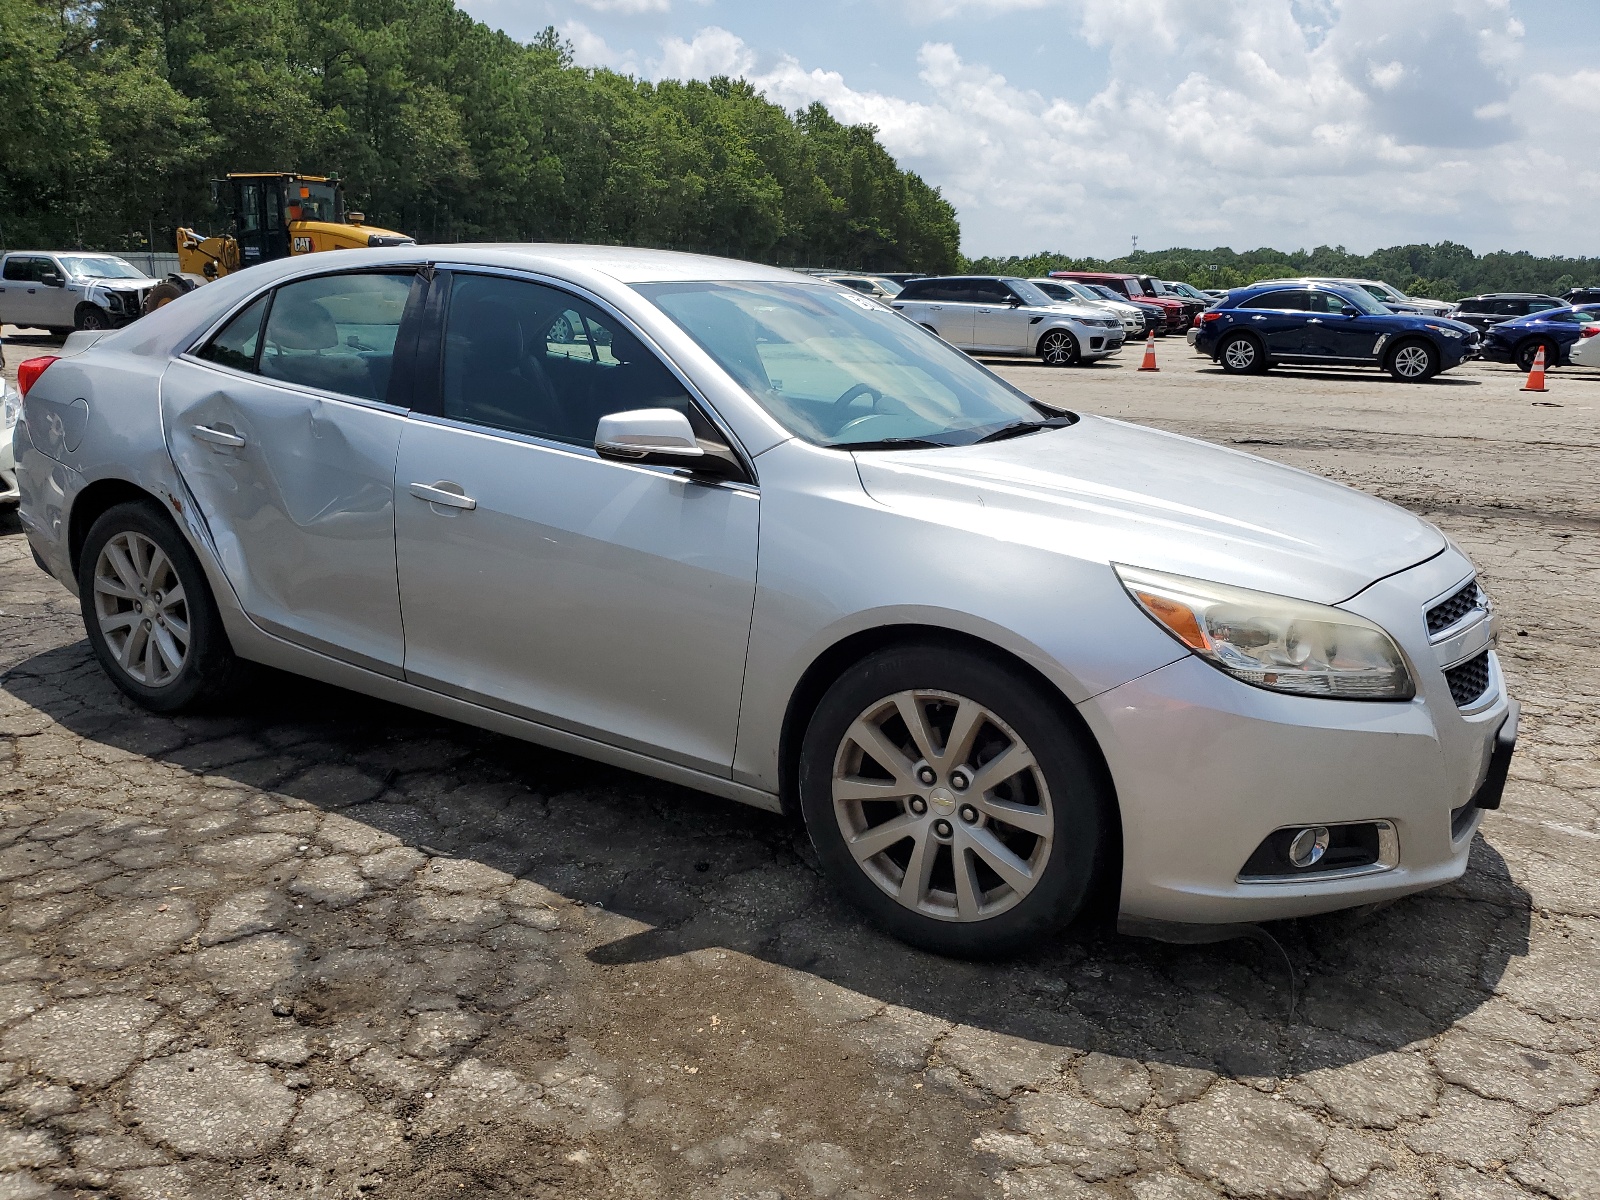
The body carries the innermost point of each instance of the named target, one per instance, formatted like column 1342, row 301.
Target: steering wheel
column 860, row 389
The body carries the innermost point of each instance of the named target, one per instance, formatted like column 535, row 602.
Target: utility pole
column 1135, row 243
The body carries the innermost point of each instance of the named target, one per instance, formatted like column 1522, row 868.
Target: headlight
column 1449, row 333
column 1274, row 642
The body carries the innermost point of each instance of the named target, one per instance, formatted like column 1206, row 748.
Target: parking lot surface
column 321, row 946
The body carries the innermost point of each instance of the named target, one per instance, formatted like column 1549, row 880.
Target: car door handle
column 218, row 437
column 437, row 493
column 1314, row 321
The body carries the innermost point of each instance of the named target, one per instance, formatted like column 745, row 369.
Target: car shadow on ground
column 1376, row 377
column 695, row 872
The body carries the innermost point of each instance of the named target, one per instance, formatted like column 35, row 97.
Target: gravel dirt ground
column 321, row 946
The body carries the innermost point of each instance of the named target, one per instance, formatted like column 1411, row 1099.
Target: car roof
column 1511, row 296
column 1092, row 275
column 625, row 264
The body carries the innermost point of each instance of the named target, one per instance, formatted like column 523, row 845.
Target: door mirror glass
column 51, row 279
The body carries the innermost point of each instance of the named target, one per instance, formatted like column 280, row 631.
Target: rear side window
column 235, row 345
column 1474, row 306
column 24, row 270
column 336, row 333
column 1540, row 305
column 532, row 359
column 937, row 290
column 1296, row 301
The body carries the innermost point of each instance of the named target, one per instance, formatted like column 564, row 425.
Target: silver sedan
column 757, row 534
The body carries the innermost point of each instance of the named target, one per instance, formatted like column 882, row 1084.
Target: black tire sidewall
column 1529, row 351
column 1074, row 354
column 1079, row 799
column 86, row 312
column 211, row 668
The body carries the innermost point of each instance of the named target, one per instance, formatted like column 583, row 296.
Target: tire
column 162, row 294
column 91, row 316
column 1413, row 361
column 1058, row 348
column 116, row 562
column 1528, row 351
column 1057, row 795
column 1242, row 354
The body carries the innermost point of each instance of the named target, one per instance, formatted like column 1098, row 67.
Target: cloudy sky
column 1075, row 125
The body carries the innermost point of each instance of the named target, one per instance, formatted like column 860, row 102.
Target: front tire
column 1058, row 348
column 149, row 612
column 1413, row 361
column 91, row 316
column 1242, row 354
column 162, row 294
column 949, row 798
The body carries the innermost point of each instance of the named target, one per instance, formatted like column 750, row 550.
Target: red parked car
column 1144, row 289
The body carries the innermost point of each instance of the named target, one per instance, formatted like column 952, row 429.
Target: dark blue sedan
column 1310, row 324
column 1555, row 330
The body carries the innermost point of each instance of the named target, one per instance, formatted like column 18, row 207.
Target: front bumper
column 1207, row 767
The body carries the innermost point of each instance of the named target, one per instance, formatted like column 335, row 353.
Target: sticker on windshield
column 859, row 300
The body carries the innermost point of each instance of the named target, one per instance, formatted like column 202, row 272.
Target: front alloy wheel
column 942, row 805
column 950, row 796
column 1413, row 362
column 1058, row 348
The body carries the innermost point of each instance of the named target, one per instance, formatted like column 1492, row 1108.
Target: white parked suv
column 1065, row 291
column 62, row 292
column 994, row 315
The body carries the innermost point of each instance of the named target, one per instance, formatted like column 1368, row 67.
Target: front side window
column 989, row 291
column 1029, row 293
column 1540, row 305
column 533, row 359
column 837, row 370
column 336, row 332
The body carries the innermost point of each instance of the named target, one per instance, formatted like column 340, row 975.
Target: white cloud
column 714, row 51
column 589, row 49
column 628, row 7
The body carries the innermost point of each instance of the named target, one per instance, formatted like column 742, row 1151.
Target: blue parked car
column 1557, row 330
column 1310, row 324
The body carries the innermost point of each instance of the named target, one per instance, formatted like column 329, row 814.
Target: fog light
column 1308, row 846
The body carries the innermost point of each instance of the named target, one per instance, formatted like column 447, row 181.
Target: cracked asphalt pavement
column 319, row 946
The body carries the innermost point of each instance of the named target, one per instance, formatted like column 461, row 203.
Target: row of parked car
column 1082, row 316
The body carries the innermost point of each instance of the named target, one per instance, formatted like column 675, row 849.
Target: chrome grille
column 1469, row 680
column 1448, row 611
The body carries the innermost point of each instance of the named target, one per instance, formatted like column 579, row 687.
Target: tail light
column 1589, row 331
column 29, row 370
column 1206, row 318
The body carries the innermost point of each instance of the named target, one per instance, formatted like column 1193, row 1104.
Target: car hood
column 116, row 283
column 1063, row 309
column 1109, row 491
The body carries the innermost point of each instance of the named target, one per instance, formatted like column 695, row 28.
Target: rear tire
column 1058, row 348
column 1413, row 361
column 1029, row 838
column 149, row 612
column 91, row 316
column 1527, row 352
column 1242, row 354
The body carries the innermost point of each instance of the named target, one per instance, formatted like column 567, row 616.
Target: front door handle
column 439, row 493
column 218, row 437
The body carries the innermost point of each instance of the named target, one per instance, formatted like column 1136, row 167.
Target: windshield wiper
column 1018, row 428
column 894, row 443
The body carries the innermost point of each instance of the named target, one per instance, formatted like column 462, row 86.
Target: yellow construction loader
column 268, row 215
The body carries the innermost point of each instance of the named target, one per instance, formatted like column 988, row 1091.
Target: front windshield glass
column 1384, row 293
column 1363, row 301
column 888, row 285
column 838, row 369
column 99, row 266
column 1104, row 292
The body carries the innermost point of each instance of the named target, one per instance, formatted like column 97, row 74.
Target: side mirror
column 1014, row 301
column 1352, row 312
column 662, row 437
column 52, row 279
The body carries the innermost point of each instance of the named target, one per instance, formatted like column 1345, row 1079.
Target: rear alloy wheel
column 149, row 613
column 1241, row 354
column 1413, row 361
column 1058, row 348
column 1528, row 352
column 92, row 316
column 948, row 797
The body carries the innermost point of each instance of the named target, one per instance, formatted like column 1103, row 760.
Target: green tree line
column 1447, row 271
column 118, row 113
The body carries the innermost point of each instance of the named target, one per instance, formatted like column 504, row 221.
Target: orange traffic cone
column 1536, row 376
column 1149, row 363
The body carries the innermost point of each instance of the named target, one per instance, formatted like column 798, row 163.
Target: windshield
column 99, row 267
column 1384, row 293
column 1363, row 301
column 838, row 369
column 888, row 285
column 1103, row 291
